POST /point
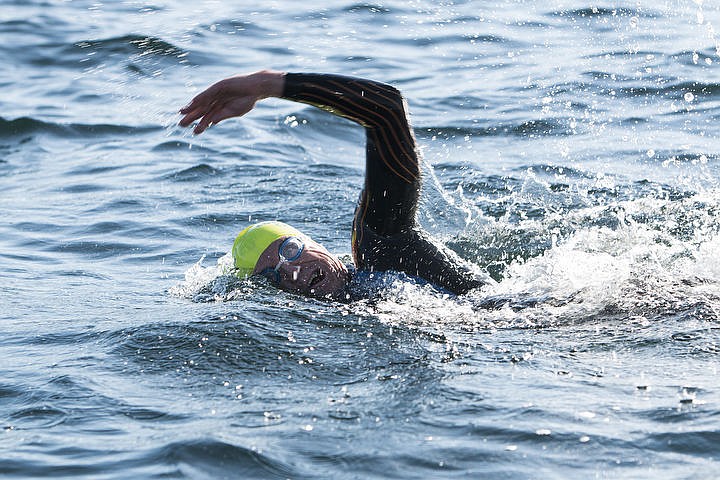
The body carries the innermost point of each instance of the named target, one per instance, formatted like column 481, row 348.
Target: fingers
column 225, row 99
column 207, row 117
column 217, row 113
column 214, row 114
column 190, row 116
column 205, row 122
column 192, row 112
column 199, row 106
column 200, row 110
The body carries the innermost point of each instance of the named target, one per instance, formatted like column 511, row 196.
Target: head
column 289, row 260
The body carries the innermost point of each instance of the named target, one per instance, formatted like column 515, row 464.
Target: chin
column 336, row 291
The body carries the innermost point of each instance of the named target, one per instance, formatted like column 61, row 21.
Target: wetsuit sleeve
column 389, row 200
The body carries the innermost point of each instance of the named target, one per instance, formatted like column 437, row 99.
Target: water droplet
column 584, row 439
column 689, row 97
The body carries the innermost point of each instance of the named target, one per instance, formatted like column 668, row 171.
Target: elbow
column 396, row 102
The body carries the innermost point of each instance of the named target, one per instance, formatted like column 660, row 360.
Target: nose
column 289, row 273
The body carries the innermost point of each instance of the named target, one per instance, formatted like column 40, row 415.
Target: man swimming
column 385, row 234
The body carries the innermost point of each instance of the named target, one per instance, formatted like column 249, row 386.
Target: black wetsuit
column 385, row 236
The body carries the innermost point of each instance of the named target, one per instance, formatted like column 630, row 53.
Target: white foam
column 216, row 280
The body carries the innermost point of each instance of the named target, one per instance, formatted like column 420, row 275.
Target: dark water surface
column 571, row 149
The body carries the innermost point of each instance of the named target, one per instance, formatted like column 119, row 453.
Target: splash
column 643, row 258
column 212, row 283
column 709, row 27
column 647, row 258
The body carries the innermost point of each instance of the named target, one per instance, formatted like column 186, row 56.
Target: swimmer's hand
column 231, row 97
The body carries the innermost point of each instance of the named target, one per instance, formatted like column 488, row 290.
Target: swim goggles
column 290, row 249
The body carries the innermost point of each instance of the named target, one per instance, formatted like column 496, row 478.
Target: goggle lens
column 290, row 249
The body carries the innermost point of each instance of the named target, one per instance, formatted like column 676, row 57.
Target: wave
column 31, row 26
column 454, row 40
column 606, row 84
column 24, row 126
column 697, row 442
column 211, row 458
column 194, row 458
column 540, row 127
column 674, row 91
column 137, row 51
column 194, row 173
column 98, row 250
column 233, row 27
column 372, row 8
column 700, row 58
column 128, row 45
column 599, row 12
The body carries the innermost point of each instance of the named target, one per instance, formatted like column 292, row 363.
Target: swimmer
column 385, row 234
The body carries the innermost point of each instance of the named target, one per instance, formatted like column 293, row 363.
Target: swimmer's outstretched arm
column 392, row 176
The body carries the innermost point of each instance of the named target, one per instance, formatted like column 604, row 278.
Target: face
column 315, row 272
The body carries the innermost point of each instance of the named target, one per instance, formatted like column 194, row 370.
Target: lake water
column 571, row 149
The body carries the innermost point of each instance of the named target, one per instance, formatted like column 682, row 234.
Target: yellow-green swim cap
column 252, row 242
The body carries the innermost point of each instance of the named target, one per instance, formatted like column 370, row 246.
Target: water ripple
column 539, row 127
column 600, row 12
column 214, row 458
column 26, row 125
column 571, row 152
column 194, row 173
